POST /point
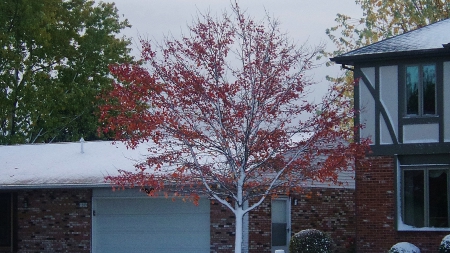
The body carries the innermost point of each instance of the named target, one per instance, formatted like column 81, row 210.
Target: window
column 421, row 90
column 5, row 221
column 425, row 196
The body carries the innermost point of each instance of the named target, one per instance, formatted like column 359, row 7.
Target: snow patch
column 404, row 247
column 445, row 244
column 47, row 165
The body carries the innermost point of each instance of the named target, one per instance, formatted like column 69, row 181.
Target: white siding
column 447, row 101
column 422, row 133
column 389, row 100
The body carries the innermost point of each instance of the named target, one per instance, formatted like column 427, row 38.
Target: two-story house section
column 403, row 95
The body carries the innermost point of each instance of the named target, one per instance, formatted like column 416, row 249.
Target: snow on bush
column 445, row 245
column 404, row 247
column 311, row 241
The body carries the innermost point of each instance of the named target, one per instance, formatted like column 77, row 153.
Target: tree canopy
column 383, row 19
column 225, row 112
column 54, row 58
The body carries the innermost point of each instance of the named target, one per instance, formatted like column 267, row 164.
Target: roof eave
column 52, row 186
column 355, row 59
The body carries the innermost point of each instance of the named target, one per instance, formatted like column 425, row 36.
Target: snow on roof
column 64, row 164
column 431, row 37
column 70, row 165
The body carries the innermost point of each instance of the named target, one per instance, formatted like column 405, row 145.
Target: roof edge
column 52, row 186
column 351, row 60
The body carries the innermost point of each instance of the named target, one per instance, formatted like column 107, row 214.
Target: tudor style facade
column 403, row 96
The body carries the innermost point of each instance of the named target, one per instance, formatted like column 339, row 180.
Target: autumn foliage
column 226, row 112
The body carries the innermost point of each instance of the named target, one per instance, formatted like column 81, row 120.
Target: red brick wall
column 221, row 229
column 260, row 227
column 329, row 210
column 375, row 213
column 53, row 222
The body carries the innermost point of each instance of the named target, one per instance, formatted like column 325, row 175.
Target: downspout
column 347, row 67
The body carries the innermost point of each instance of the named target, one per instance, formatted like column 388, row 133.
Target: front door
column 281, row 229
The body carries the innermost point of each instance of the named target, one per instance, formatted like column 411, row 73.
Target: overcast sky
column 303, row 20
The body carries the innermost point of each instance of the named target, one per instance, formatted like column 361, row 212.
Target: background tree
column 225, row 113
column 54, row 58
column 383, row 19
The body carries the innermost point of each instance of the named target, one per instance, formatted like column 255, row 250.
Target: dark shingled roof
column 434, row 37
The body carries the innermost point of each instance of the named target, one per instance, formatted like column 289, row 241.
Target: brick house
column 404, row 99
column 53, row 198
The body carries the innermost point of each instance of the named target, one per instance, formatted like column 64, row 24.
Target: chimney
column 82, row 144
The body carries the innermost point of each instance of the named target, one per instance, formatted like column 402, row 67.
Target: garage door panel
column 145, row 206
column 150, row 225
column 145, row 242
column 154, row 223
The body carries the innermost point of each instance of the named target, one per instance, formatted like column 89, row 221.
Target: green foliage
column 380, row 19
column 311, row 241
column 54, row 58
column 445, row 245
column 383, row 19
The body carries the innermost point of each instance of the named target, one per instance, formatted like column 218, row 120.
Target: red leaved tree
column 227, row 113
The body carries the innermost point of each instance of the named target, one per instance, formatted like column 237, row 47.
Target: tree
column 226, row 113
column 54, row 58
column 383, row 19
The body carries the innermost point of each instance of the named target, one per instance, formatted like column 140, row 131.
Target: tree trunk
column 239, row 213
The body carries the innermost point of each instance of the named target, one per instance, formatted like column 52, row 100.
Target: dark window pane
column 279, row 234
column 438, row 198
column 5, row 220
column 429, row 89
column 413, row 193
column 279, row 222
column 412, row 90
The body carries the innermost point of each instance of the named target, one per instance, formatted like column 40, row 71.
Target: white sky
column 303, row 20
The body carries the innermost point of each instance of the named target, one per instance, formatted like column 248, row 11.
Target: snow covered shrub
column 311, row 241
column 404, row 247
column 445, row 245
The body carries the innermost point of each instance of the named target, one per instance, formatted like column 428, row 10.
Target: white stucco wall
column 421, row 133
column 370, row 74
column 446, row 101
column 389, row 100
column 367, row 114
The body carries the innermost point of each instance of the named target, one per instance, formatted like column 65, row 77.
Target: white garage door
column 125, row 223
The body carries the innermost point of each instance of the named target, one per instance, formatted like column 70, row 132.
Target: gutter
column 52, row 186
column 352, row 59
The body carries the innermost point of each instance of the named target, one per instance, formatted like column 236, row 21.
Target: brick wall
column 329, row 210
column 52, row 221
column 375, row 213
column 260, row 227
column 221, row 229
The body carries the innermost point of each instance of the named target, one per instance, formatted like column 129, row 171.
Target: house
column 53, row 198
column 404, row 101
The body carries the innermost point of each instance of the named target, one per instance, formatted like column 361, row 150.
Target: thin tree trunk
column 239, row 213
